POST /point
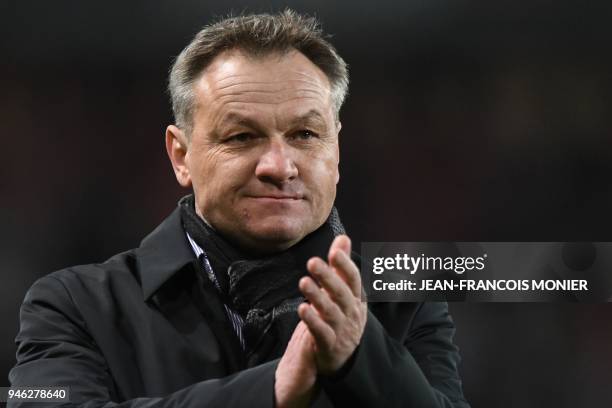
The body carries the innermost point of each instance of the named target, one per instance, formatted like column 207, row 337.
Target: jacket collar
column 162, row 253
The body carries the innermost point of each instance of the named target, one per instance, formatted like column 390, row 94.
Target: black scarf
column 264, row 291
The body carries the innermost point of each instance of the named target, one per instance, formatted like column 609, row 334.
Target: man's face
column 263, row 154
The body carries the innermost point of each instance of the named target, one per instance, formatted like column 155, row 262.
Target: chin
column 277, row 234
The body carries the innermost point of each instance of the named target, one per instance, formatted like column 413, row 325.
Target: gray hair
column 255, row 34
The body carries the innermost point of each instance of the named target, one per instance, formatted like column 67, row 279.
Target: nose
column 276, row 164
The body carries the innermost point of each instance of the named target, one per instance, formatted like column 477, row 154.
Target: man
column 247, row 295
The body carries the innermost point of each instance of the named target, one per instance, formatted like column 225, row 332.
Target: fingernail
column 318, row 268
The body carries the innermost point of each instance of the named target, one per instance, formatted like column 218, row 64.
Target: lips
column 276, row 197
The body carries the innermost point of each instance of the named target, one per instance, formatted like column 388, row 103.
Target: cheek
column 220, row 179
column 323, row 176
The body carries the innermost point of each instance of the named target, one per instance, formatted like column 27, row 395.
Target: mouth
column 277, row 197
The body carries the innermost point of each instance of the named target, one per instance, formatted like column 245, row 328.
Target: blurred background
column 466, row 120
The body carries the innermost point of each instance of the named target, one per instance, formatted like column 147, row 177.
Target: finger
column 335, row 286
column 318, row 297
column 345, row 266
column 323, row 334
column 342, row 243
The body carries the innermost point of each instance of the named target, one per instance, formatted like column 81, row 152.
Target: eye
column 240, row 138
column 305, row 134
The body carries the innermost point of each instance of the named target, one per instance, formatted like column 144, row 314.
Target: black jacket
column 133, row 331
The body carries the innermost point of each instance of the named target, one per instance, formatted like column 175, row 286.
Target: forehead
column 236, row 80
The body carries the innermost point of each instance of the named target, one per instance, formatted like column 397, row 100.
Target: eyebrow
column 235, row 118
column 312, row 114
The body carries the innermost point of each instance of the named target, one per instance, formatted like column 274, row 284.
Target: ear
column 338, row 127
column 176, row 147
